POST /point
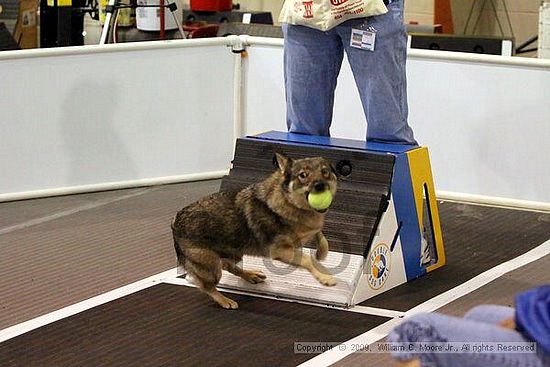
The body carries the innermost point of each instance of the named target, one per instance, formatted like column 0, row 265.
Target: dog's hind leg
column 205, row 267
column 251, row 276
column 180, row 254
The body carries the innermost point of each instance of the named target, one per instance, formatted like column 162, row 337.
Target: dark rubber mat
column 476, row 239
column 503, row 290
column 169, row 325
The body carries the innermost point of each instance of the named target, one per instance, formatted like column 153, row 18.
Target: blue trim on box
column 334, row 142
column 405, row 211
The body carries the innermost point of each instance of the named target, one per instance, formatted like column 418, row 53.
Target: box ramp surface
column 287, row 281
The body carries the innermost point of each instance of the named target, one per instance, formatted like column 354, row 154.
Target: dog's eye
column 325, row 172
column 303, row 175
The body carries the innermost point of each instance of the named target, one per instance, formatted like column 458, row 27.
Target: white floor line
column 334, row 355
column 24, row 327
column 374, row 311
column 68, row 212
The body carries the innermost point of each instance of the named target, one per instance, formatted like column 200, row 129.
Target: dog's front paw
column 322, row 249
column 253, row 276
column 326, row 279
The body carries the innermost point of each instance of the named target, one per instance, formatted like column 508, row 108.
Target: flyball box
column 383, row 226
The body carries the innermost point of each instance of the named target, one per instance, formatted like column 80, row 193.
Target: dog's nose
column 319, row 186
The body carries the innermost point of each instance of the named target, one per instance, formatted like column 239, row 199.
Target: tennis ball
column 320, row 200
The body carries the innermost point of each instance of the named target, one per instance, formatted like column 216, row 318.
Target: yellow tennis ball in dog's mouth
column 320, row 200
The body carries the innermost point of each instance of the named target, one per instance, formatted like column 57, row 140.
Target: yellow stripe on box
column 421, row 173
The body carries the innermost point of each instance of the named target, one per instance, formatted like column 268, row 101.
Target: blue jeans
column 479, row 325
column 312, row 61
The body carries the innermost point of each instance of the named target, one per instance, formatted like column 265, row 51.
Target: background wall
column 421, row 11
column 122, row 115
column 486, row 124
column 523, row 15
column 273, row 6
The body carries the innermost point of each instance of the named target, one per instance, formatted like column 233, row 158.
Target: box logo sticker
column 379, row 266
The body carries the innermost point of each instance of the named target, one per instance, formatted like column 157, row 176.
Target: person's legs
column 312, row 61
column 439, row 328
column 380, row 74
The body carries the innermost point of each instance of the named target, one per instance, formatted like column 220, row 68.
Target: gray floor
column 58, row 251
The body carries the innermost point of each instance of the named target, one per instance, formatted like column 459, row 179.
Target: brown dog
column 271, row 218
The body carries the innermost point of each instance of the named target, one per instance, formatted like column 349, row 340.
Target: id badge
column 363, row 39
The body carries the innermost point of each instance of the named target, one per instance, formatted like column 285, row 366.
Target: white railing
column 93, row 118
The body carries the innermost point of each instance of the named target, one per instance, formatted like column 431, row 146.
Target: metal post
column 108, row 16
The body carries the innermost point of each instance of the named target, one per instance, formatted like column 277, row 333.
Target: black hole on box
column 344, row 168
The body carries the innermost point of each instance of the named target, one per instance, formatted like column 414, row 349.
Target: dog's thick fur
column 271, row 218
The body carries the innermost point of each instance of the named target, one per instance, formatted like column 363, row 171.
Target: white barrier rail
column 119, row 47
column 82, row 119
column 187, row 128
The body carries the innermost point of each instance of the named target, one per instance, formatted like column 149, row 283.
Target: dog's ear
column 332, row 167
column 283, row 162
column 334, row 170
